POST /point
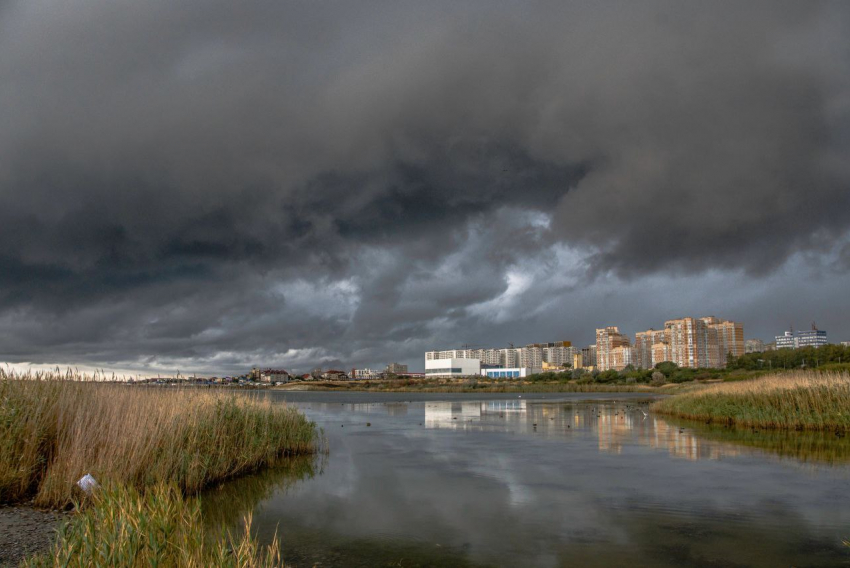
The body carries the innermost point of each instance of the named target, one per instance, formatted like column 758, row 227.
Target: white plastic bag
column 87, row 483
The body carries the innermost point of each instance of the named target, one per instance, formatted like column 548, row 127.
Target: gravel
column 25, row 531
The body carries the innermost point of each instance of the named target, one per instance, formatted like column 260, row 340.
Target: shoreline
column 459, row 387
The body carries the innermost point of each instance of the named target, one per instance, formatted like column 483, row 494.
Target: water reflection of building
column 451, row 414
column 465, row 414
column 397, row 408
column 682, row 443
column 503, row 406
column 362, row 407
column 619, row 427
column 616, row 426
column 612, row 430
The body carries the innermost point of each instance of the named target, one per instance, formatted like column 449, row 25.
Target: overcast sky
column 207, row 186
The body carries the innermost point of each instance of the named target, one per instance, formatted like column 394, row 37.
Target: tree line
column 827, row 357
column 801, row 358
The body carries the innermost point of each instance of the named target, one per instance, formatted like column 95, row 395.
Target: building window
column 442, row 371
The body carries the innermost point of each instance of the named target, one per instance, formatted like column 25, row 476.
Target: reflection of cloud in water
column 227, row 503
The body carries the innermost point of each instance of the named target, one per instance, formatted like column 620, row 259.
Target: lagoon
column 418, row 479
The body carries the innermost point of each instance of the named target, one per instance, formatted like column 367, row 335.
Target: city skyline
column 415, row 362
column 701, row 342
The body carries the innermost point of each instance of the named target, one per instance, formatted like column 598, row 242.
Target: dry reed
column 160, row 527
column 52, row 432
column 801, row 401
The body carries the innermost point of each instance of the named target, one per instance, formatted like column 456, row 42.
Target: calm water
column 545, row 480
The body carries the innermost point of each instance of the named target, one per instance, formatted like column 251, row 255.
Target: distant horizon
column 413, row 364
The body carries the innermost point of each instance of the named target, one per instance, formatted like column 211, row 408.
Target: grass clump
column 52, row 432
column 801, row 401
column 121, row 526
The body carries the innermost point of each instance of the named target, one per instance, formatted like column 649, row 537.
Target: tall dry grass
column 801, row 400
column 160, row 527
column 52, row 432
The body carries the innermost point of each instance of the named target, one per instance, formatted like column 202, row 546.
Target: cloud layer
column 218, row 185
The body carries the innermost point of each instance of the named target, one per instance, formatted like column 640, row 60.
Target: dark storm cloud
column 222, row 184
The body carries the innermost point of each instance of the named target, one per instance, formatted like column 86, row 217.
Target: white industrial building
column 510, row 372
column 804, row 338
column 452, row 367
column 533, row 355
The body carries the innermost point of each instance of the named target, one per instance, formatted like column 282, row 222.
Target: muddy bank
column 25, row 531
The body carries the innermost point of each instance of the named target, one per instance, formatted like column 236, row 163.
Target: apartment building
column 644, row 342
column 578, row 361
column 753, row 346
column 725, row 337
column 490, row 356
column 449, row 354
column 712, row 342
column 661, row 352
column 688, row 339
column 588, row 357
column 608, row 339
column 697, row 342
column 508, row 358
column 530, row 356
column 559, row 353
column 621, row 357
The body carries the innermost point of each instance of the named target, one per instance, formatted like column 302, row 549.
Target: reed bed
column 160, row 527
column 52, row 432
column 799, row 401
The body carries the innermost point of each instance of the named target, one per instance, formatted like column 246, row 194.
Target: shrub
column 682, row 375
column 607, row 376
column 658, row 379
column 667, row 367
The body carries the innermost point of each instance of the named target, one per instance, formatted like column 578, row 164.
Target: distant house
column 333, row 375
column 307, row 377
column 396, row 369
column 274, row 376
column 365, row 374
